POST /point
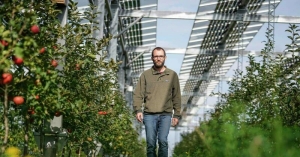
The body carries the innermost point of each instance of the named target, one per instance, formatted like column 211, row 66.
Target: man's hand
column 174, row 121
column 139, row 116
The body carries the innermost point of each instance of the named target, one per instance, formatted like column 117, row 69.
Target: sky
column 175, row 34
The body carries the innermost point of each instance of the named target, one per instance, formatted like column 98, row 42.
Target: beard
column 159, row 64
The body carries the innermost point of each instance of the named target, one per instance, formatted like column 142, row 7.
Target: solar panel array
column 208, row 37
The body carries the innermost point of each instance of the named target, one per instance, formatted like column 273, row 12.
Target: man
column 157, row 103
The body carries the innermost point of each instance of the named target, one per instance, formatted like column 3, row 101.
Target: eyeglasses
column 158, row 57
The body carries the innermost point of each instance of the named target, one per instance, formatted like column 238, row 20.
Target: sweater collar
column 154, row 72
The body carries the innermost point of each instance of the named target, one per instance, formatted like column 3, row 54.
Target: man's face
column 158, row 58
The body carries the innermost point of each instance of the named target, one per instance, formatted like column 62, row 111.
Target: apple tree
column 28, row 32
column 91, row 92
column 42, row 78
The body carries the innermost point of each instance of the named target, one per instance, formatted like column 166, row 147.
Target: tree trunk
column 26, row 135
column 5, row 115
column 63, row 152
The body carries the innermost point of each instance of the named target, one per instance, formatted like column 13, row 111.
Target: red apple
column 37, row 97
column 57, row 114
column 4, row 43
column 35, row 29
column 102, row 113
column 42, row 50
column 77, row 67
column 17, row 60
column 6, row 78
column 31, row 111
column 54, row 63
column 18, row 100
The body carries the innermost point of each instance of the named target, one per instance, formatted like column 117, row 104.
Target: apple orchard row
column 7, row 78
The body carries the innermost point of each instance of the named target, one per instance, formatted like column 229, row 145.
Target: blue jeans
column 157, row 127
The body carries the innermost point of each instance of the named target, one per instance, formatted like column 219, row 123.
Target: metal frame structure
column 221, row 31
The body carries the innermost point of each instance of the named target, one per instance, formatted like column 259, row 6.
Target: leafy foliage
column 260, row 114
column 64, row 72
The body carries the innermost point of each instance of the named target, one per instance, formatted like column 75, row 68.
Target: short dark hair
column 159, row 48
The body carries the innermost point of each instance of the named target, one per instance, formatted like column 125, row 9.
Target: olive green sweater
column 160, row 93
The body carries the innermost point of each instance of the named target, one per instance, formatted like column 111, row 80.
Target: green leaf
column 5, row 33
column 47, row 85
column 18, row 51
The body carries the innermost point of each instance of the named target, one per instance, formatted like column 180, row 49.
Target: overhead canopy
column 221, row 25
column 221, row 31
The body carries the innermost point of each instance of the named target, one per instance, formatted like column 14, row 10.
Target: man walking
column 157, row 103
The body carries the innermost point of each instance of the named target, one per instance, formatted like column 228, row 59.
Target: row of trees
column 48, row 70
column 260, row 114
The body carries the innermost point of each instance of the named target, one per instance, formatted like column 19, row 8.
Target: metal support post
column 241, row 28
column 220, row 88
column 135, row 58
column 240, row 45
column 271, row 25
column 113, row 43
column 100, row 9
column 122, row 41
column 129, row 26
